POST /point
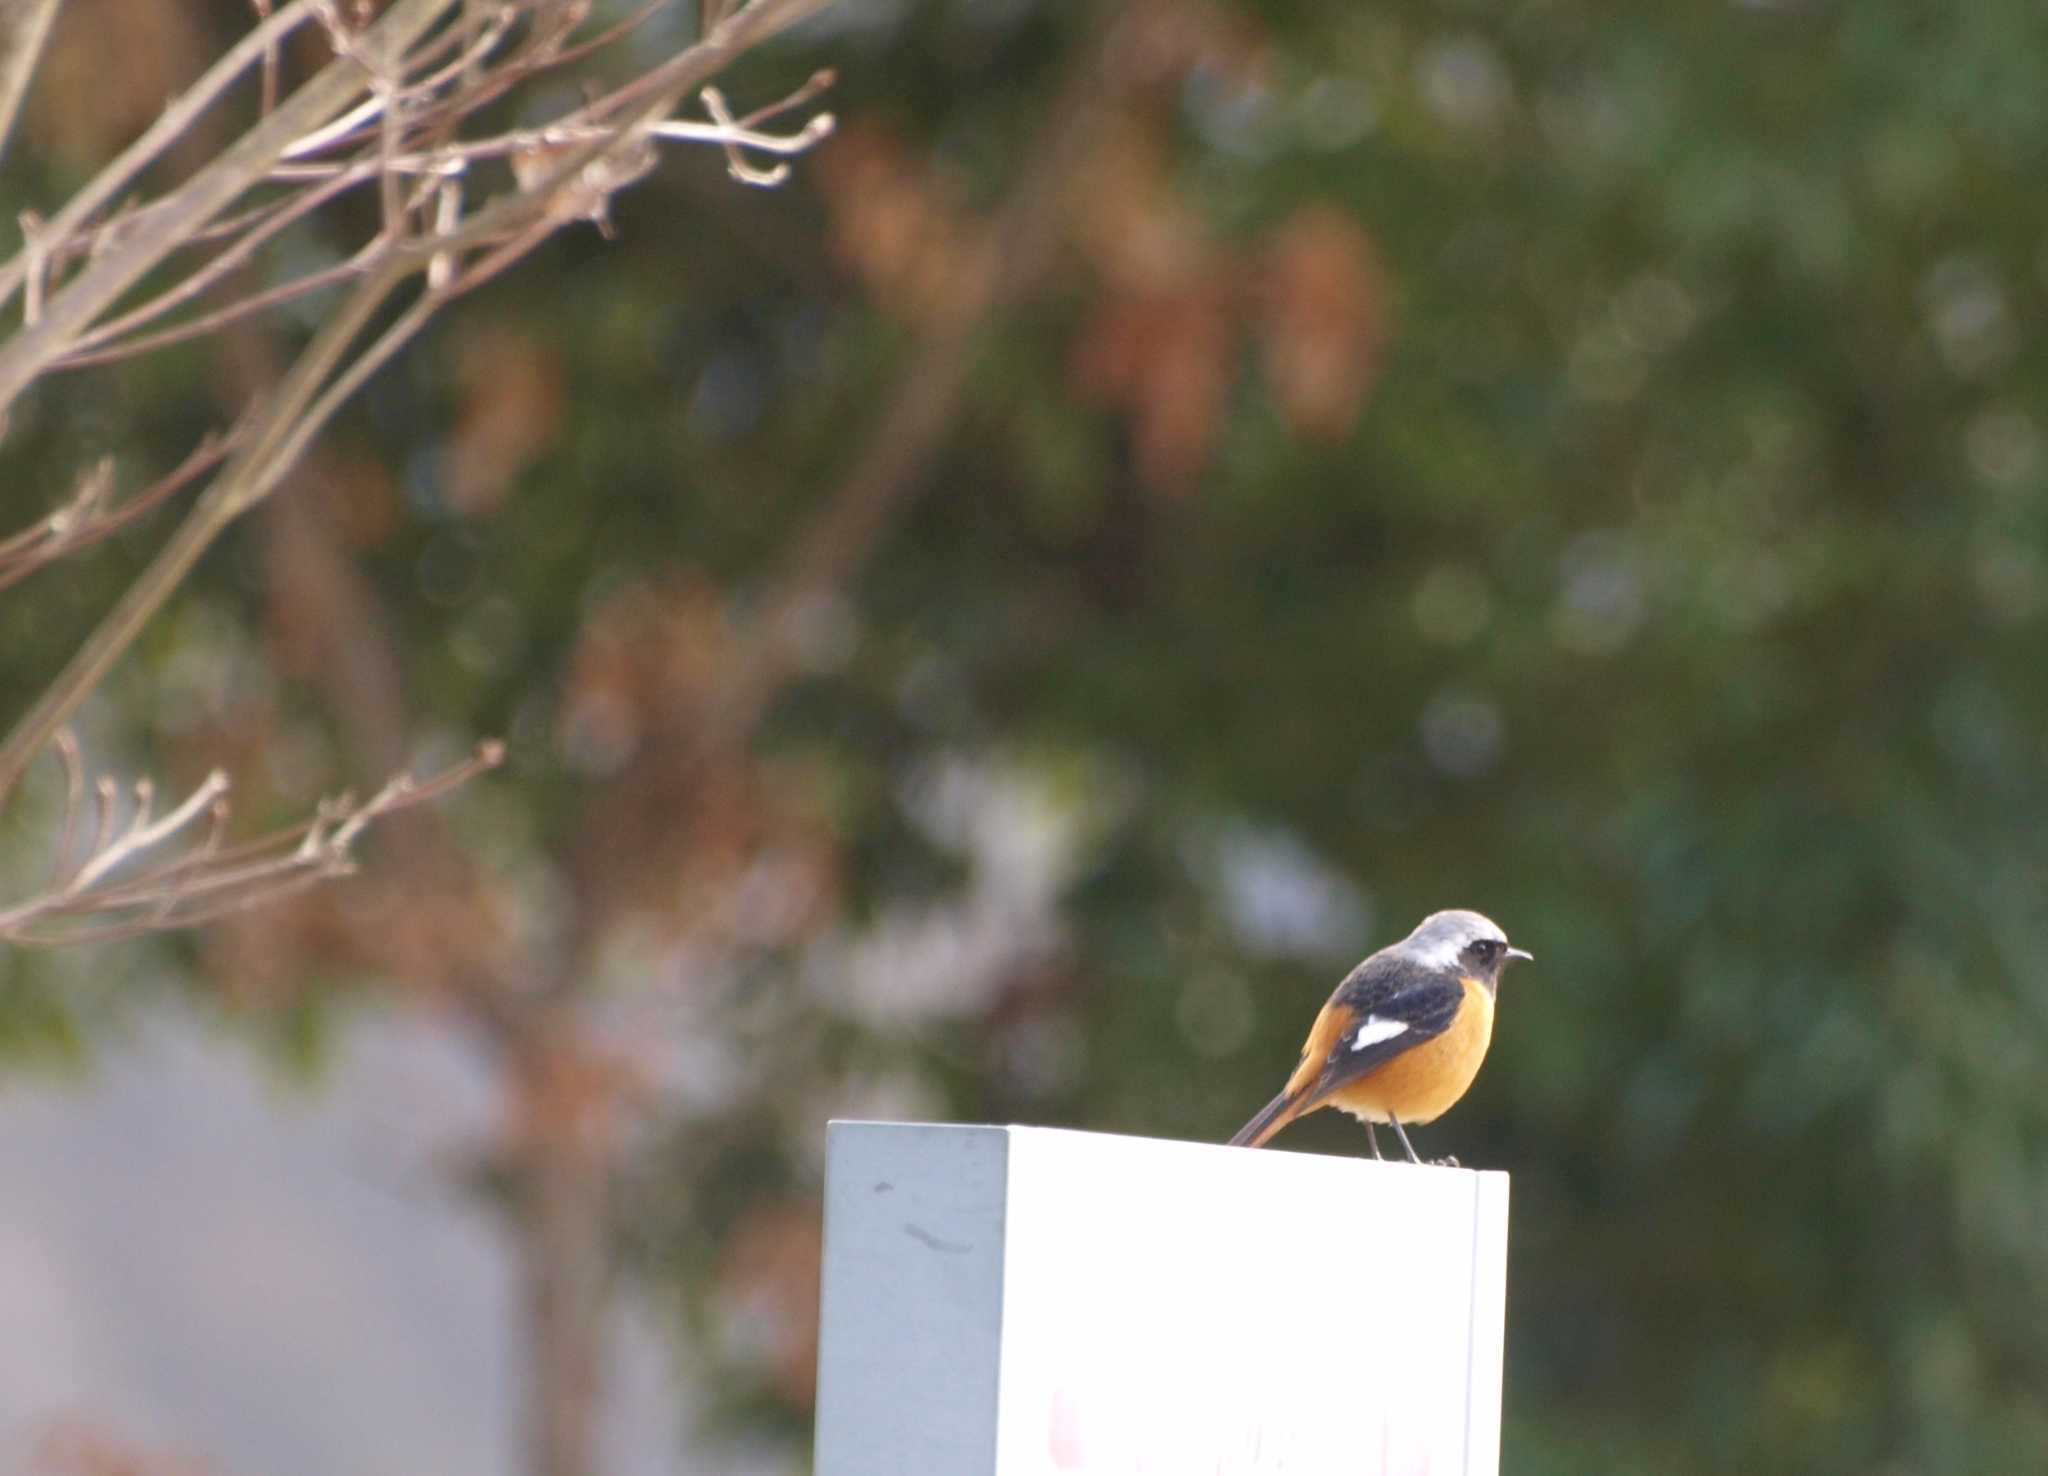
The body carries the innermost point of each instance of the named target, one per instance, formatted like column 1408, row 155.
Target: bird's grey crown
column 1440, row 938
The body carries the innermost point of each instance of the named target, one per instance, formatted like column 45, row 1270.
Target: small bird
column 1403, row 1036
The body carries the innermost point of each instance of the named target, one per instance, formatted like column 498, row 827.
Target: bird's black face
column 1484, row 958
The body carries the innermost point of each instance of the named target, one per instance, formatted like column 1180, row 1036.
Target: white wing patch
column 1372, row 1030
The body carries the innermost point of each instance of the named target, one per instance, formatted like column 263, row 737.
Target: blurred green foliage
column 1677, row 599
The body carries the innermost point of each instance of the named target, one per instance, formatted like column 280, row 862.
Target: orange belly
column 1422, row 1084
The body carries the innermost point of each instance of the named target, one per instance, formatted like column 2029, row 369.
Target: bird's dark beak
column 1524, row 957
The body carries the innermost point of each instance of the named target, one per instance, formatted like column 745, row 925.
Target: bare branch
column 92, row 491
column 160, row 135
column 74, row 800
column 733, row 33
column 531, row 151
column 452, row 160
column 252, row 471
column 735, row 136
column 91, row 515
column 141, row 835
column 258, row 228
column 206, row 194
column 351, row 126
column 820, row 82
column 219, row 318
column 204, row 879
column 572, row 183
column 106, row 794
column 387, row 114
column 268, row 102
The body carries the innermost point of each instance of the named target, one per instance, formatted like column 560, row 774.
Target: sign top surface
column 1169, row 1307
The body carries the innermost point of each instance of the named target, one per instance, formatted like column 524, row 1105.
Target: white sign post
column 1013, row 1301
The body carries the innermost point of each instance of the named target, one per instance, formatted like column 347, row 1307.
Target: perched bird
column 1403, row 1036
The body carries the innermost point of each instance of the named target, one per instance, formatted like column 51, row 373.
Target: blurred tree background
column 1168, row 496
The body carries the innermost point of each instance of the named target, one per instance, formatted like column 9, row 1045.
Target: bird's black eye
column 1486, row 948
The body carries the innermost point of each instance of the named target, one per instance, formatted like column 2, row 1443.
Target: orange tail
column 1276, row 1114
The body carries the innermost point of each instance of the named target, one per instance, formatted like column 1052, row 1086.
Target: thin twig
column 274, row 220
column 386, row 90
column 160, row 135
column 667, row 83
column 106, row 795
column 816, row 86
column 451, row 160
column 141, row 834
column 88, row 517
column 74, row 799
column 313, row 419
column 94, row 347
column 574, row 186
column 225, row 500
column 735, row 137
column 207, row 879
column 93, row 486
column 267, row 102
column 353, row 126
column 206, row 195
column 220, row 317
column 733, row 33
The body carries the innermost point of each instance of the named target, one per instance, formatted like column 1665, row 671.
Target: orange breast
column 1422, row 1084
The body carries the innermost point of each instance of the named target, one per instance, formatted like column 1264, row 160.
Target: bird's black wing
column 1386, row 1008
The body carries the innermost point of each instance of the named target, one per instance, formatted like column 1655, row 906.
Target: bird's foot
column 1446, row 1163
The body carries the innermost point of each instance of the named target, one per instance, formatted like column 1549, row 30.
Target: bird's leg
column 1373, row 1139
column 1402, row 1133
